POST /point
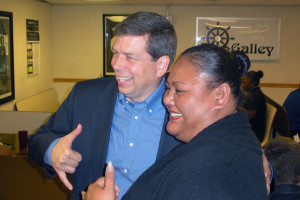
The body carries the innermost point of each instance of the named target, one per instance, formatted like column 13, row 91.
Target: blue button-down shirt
column 135, row 136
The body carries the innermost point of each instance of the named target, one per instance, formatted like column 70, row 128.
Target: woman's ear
column 222, row 94
column 163, row 64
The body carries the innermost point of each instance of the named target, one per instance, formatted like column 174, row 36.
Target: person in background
column 254, row 103
column 284, row 155
column 120, row 118
column 220, row 157
column 292, row 107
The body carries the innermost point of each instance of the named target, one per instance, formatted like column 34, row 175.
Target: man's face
column 137, row 75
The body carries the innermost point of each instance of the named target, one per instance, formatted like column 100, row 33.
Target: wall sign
column 257, row 37
column 33, row 47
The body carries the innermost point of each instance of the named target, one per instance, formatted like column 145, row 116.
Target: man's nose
column 117, row 62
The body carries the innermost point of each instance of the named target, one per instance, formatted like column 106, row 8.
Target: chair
column 281, row 123
column 270, row 114
column 46, row 101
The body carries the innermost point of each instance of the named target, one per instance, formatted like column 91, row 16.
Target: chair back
column 270, row 114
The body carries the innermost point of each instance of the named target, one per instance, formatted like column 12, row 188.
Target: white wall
column 72, row 41
column 22, row 10
column 286, row 70
column 78, row 46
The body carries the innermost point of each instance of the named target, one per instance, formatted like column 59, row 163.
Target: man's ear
column 222, row 94
column 163, row 63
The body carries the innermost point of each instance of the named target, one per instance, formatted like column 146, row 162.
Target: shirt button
column 131, row 144
column 123, row 106
column 150, row 111
column 125, row 171
column 127, row 102
column 136, row 117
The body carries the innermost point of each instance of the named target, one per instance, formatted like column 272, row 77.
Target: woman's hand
column 103, row 188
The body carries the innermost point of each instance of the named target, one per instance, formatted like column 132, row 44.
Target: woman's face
column 188, row 101
column 246, row 84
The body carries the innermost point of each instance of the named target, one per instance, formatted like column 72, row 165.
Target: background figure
column 292, row 107
column 284, row 155
column 119, row 119
column 254, row 103
column 220, row 158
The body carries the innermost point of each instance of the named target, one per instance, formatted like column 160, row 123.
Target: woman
column 221, row 157
column 254, row 103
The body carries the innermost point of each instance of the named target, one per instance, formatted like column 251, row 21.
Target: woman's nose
column 168, row 98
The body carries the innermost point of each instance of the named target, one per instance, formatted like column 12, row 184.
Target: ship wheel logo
column 218, row 36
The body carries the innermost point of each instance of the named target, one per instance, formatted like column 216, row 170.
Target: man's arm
column 51, row 146
column 59, row 125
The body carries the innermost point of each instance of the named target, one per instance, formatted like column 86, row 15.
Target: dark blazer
column 90, row 103
column 222, row 162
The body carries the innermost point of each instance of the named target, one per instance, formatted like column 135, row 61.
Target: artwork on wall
column 109, row 23
column 33, row 47
column 257, row 37
column 7, row 92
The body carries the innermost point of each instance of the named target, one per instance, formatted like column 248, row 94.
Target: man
column 283, row 153
column 120, row 119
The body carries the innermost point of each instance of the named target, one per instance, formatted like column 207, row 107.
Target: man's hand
column 103, row 188
column 64, row 159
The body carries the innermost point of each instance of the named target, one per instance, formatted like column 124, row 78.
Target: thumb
column 109, row 181
column 71, row 136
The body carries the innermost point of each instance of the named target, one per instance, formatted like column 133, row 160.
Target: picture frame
column 7, row 89
column 109, row 23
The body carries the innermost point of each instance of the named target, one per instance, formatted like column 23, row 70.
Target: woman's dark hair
column 254, row 76
column 220, row 65
column 162, row 38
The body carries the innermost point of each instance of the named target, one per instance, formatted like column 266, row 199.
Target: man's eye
column 178, row 90
column 131, row 58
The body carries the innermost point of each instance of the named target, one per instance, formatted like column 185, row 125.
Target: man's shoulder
column 98, row 83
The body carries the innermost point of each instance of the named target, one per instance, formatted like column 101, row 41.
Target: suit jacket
column 90, row 103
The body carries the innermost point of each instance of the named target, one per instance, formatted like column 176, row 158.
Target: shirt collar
column 154, row 101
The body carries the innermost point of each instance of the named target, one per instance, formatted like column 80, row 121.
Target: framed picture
column 7, row 91
column 109, row 23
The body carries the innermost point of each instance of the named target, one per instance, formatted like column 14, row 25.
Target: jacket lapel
column 101, row 120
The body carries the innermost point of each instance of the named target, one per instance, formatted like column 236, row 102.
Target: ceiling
column 180, row 2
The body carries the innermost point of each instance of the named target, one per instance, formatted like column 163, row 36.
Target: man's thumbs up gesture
column 64, row 159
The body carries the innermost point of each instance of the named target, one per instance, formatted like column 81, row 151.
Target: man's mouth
column 123, row 79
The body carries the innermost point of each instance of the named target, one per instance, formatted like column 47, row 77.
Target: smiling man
column 119, row 119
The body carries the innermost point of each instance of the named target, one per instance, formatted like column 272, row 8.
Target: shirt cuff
column 47, row 157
